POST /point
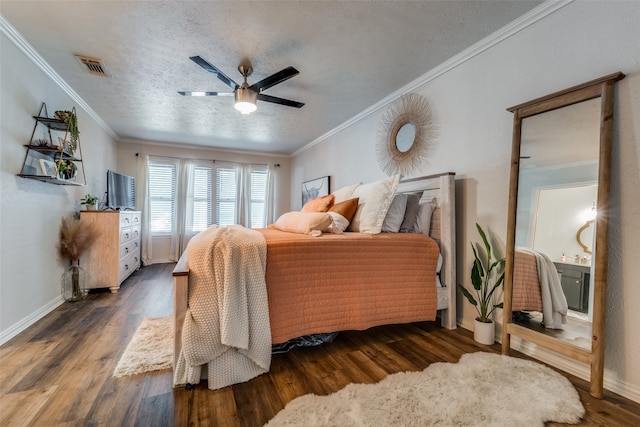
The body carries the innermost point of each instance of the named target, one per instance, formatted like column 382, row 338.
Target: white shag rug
column 482, row 389
column 150, row 349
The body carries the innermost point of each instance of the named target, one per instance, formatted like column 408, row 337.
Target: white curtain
column 142, row 204
column 270, row 204
column 243, row 194
column 184, row 209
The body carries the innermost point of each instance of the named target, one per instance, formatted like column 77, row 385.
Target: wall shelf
column 50, row 160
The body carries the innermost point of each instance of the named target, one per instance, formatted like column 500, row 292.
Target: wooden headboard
column 440, row 189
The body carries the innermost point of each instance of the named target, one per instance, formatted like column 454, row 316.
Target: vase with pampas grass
column 75, row 238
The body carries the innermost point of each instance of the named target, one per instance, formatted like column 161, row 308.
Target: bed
column 526, row 285
column 312, row 289
column 537, row 287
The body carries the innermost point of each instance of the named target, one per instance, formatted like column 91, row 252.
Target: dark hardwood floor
column 58, row 372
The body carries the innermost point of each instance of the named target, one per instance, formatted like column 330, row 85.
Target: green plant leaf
column 476, row 275
column 468, row 295
column 487, row 246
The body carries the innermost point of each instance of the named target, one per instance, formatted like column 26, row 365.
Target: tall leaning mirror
column 556, row 269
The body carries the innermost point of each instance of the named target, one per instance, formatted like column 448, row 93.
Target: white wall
column 127, row 162
column 30, row 210
column 577, row 43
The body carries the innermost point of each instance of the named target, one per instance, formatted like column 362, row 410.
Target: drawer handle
column 126, row 250
column 126, row 266
column 136, row 244
column 136, row 233
column 126, row 235
column 126, row 220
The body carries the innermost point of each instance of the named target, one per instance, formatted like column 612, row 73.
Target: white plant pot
column 484, row 333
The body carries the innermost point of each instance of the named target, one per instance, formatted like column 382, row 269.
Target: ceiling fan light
column 245, row 100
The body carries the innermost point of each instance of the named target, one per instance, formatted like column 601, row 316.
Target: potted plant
column 486, row 276
column 71, row 119
column 67, row 169
column 89, row 201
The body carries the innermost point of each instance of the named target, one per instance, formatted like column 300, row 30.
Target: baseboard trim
column 23, row 324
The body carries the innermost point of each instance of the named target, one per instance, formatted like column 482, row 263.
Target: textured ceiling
column 350, row 54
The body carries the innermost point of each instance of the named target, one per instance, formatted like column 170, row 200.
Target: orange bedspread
column 348, row 281
column 526, row 285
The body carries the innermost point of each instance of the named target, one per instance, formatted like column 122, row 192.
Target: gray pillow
column 411, row 212
column 395, row 214
column 423, row 222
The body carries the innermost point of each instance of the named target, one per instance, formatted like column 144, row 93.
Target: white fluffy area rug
column 482, row 389
column 150, row 349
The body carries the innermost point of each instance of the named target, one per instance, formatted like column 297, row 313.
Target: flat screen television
column 121, row 191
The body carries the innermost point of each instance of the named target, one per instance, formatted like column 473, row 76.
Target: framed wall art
column 315, row 188
column 49, row 168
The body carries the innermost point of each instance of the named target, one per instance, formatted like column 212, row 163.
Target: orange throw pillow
column 319, row 204
column 347, row 208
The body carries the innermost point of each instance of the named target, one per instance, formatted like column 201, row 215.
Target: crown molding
column 529, row 18
column 16, row 38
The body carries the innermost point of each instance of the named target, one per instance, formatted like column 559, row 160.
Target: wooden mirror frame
column 603, row 88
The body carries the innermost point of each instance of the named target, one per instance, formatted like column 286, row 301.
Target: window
column 162, row 195
column 202, row 195
column 226, row 203
column 258, row 197
column 211, row 197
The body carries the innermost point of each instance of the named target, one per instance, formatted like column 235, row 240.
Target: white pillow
column 374, row 201
column 339, row 224
column 344, row 193
column 395, row 214
column 303, row 222
column 423, row 222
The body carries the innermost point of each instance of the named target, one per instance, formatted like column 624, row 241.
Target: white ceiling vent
column 93, row 65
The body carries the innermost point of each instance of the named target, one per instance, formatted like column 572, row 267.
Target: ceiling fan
column 244, row 94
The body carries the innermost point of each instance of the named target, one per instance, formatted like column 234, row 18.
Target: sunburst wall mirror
column 405, row 136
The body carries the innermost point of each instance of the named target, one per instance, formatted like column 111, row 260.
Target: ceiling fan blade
column 213, row 70
column 195, row 93
column 281, row 101
column 274, row 79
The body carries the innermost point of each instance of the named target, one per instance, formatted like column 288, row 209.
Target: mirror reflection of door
column 557, row 184
column 559, row 213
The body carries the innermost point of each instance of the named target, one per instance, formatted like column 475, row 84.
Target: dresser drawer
column 134, row 245
column 128, row 248
column 135, row 232
column 135, row 218
column 129, row 264
column 126, row 219
column 126, row 234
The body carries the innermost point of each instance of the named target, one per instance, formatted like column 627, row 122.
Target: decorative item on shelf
column 49, row 168
column 75, row 237
column 67, row 169
column 482, row 277
column 72, row 120
column 405, row 136
column 89, row 201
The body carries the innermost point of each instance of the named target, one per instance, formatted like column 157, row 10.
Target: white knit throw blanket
column 227, row 322
column 554, row 302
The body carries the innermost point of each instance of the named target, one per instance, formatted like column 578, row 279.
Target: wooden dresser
column 116, row 252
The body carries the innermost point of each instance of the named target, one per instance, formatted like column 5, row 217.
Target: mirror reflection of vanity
column 556, row 270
